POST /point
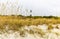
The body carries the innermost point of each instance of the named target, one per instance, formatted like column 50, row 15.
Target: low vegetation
column 15, row 22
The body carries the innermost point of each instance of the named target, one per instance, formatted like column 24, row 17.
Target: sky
column 38, row 7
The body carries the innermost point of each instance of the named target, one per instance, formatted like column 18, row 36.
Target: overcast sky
column 39, row 7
